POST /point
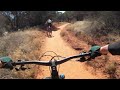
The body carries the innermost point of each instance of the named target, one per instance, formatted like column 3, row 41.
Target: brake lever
column 89, row 59
column 21, row 66
column 83, row 59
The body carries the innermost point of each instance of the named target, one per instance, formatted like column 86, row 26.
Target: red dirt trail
column 71, row 69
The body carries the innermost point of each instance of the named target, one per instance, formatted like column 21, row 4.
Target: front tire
column 47, row 78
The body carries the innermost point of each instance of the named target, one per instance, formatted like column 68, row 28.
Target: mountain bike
column 52, row 63
column 49, row 30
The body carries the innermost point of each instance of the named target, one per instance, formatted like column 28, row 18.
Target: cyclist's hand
column 95, row 51
column 6, row 62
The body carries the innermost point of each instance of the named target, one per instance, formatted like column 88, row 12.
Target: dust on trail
column 71, row 69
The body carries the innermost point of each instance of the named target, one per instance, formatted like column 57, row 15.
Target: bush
column 94, row 33
column 22, row 45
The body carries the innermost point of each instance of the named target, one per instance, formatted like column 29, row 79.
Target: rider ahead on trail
column 49, row 22
column 49, row 26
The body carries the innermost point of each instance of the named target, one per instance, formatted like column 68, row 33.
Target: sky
column 61, row 11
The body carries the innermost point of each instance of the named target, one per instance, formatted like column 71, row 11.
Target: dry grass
column 25, row 44
column 91, row 33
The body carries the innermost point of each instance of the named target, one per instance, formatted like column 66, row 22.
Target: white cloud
column 61, row 11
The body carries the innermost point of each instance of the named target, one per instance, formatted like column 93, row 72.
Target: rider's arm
column 104, row 50
column 46, row 22
column 113, row 48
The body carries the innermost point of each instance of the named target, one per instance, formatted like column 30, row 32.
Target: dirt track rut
column 71, row 69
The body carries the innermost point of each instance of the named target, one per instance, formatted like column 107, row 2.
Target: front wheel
column 47, row 78
column 61, row 76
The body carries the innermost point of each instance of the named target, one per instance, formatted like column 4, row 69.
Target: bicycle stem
column 54, row 73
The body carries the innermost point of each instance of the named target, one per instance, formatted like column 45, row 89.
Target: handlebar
column 76, row 56
column 49, row 63
column 45, row 63
column 52, row 63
